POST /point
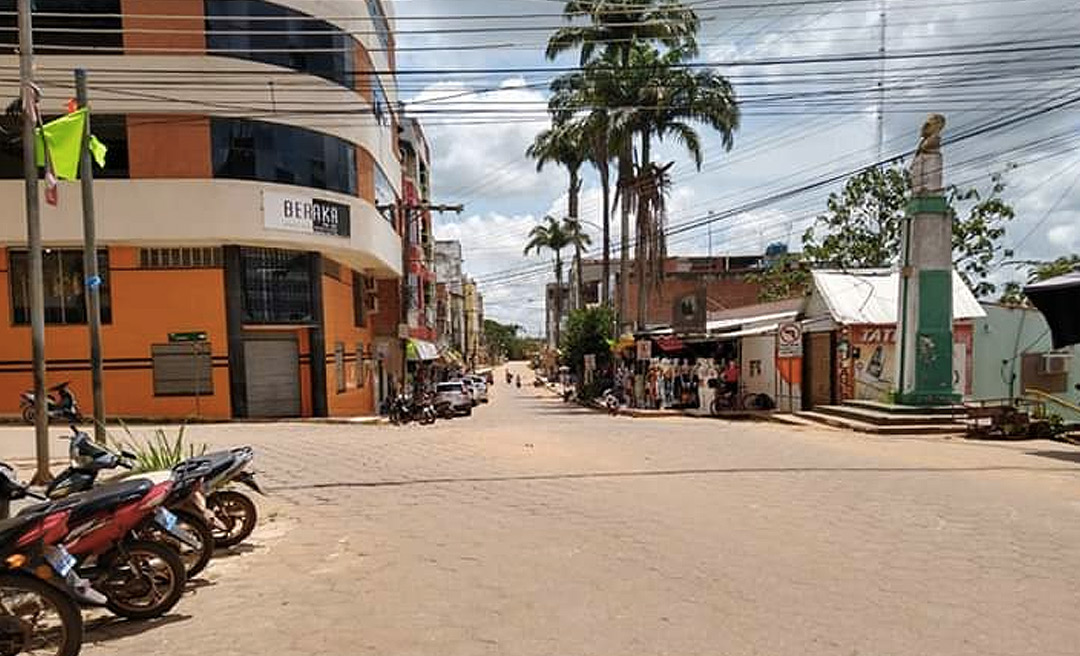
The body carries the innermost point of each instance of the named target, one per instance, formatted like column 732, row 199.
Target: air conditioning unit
column 1055, row 363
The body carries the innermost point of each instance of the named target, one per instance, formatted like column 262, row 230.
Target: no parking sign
column 789, row 340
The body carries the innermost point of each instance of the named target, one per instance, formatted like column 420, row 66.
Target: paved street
column 535, row 528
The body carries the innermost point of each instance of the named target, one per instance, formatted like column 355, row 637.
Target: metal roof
column 870, row 296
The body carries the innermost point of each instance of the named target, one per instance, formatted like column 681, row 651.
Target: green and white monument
column 926, row 303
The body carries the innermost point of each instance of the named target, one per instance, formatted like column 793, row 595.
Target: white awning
column 422, row 350
column 722, row 325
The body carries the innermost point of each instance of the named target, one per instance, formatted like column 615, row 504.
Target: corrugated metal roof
column 871, row 296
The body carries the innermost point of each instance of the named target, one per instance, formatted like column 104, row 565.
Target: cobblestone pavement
column 535, row 528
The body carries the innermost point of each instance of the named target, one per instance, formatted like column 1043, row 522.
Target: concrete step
column 892, row 408
column 792, row 419
column 880, row 417
column 847, row 423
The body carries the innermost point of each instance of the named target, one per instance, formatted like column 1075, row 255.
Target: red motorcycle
column 38, row 583
column 139, row 578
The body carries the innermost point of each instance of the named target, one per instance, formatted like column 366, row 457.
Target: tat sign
column 789, row 341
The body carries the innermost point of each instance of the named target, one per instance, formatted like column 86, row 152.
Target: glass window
column 358, row 299
column 384, row 193
column 65, row 291
column 270, row 152
column 284, row 37
column 277, row 286
column 339, row 367
column 96, row 23
column 382, row 25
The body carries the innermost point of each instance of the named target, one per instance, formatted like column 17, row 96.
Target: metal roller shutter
column 273, row 377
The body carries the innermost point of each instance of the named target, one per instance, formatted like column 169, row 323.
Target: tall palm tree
column 555, row 235
column 564, row 144
column 615, row 25
column 613, row 28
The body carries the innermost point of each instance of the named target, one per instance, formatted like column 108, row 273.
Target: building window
column 183, row 369
column 272, row 34
column 384, row 193
column 382, row 25
column 360, row 374
column 66, row 27
column 339, row 367
column 180, row 258
column 65, row 287
column 358, row 284
column 110, row 129
column 269, row 152
column 277, row 286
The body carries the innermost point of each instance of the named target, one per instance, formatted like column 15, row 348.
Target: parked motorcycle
column 196, row 542
column 60, row 403
column 39, row 611
column 404, row 410
column 231, row 513
column 103, row 530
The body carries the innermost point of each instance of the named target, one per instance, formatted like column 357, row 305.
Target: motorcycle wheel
column 195, row 560
column 237, row 515
column 25, row 602
column 28, row 414
column 143, row 579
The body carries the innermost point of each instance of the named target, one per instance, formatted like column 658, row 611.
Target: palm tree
column 556, row 235
column 618, row 24
column 564, row 144
column 614, row 28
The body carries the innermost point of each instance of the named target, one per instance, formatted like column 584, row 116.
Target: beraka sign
column 312, row 216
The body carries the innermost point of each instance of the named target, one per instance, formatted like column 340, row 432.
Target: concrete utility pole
column 926, row 308
column 407, row 210
column 33, row 237
column 90, row 264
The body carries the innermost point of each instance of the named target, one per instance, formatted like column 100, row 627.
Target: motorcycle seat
column 11, row 529
column 105, row 497
column 217, row 463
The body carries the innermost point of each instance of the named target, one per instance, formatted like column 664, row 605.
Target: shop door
column 818, row 378
column 272, row 372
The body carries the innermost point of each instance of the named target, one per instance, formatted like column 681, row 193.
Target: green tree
column 554, row 235
column 1013, row 291
column 587, row 332
column 564, row 144
column 612, row 29
column 503, row 340
column 861, row 227
column 786, row 276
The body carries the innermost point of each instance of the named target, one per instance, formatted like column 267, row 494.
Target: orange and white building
column 251, row 147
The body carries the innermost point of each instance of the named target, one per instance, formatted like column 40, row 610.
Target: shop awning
column 419, row 349
column 450, row 356
column 1058, row 298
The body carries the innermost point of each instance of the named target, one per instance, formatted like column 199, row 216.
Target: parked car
column 479, row 387
column 456, row 394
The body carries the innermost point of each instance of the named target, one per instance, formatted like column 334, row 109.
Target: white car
column 479, row 388
column 454, row 392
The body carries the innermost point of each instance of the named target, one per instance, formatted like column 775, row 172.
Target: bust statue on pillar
column 927, row 167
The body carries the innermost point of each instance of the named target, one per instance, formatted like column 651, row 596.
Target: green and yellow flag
column 64, row 139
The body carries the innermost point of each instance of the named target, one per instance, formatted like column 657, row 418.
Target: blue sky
column 784, row 140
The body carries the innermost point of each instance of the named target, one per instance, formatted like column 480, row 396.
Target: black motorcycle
column 60, row 404
column 404, row 410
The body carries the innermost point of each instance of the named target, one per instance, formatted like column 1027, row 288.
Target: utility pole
column 33, row 237
column 90, row 263
column 406, row 210
column 882, row 15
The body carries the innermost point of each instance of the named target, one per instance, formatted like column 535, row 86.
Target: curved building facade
column 244, row 216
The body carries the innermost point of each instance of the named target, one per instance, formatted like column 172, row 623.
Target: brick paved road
column 537, row 529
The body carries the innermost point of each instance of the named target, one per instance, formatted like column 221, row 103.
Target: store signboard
column 302, row 213
column 644, row 349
